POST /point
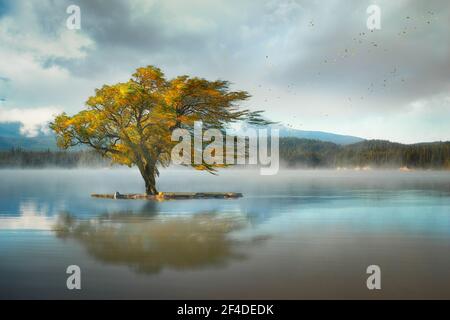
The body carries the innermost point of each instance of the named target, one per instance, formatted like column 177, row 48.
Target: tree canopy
column 132, row 122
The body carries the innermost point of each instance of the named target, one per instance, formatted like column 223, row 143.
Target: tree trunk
column 149, row 174
column 150, row 185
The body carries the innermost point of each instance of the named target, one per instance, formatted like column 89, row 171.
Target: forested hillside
column 372, row 153
column 294, row 152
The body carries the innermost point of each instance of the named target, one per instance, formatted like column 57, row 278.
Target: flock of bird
column 365, row 43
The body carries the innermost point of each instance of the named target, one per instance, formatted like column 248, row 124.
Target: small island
column 170, row 195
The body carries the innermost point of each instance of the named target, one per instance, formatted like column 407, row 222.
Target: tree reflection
column 150, row 243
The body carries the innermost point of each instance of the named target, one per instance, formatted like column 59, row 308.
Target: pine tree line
column 294, row 152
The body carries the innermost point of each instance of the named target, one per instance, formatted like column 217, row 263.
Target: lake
column 301, row 234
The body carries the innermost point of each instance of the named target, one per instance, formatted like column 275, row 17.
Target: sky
column 311, row 65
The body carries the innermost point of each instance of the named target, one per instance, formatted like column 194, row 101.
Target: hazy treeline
column 18, row 158
column 294, row 152
column 370, row 153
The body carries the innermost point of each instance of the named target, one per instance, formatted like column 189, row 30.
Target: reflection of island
column 150, row 243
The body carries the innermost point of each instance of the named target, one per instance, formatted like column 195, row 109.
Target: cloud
column 32, row 121
column 313, row 61
column 34, row 28
column 33, row 216
column 31, row 38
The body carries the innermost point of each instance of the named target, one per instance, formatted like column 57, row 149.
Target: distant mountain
column 286, row 132
column 10, row 130
column 35, row 143
column 318, row 135
column 10, row 137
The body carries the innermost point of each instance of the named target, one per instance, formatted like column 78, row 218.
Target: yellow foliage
column 132, row 122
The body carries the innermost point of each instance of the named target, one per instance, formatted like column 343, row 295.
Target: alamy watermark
column 252, row 145
column 74, row 280
column 73, row 22
column 374, row 280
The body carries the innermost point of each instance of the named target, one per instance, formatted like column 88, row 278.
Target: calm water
column 300, row 234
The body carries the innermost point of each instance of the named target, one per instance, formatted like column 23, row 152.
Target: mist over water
column 297, row 234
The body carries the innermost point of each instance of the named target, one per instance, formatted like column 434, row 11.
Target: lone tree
column 132, row 122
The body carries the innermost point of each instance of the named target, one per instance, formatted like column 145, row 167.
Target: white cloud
column 32, row 217
column 29, row 48
column 26, row 32
column 66, row 44
column 32, row 121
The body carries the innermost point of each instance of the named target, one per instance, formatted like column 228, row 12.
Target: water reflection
column 325, row 228
column 31, row 216
column 148, row 243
